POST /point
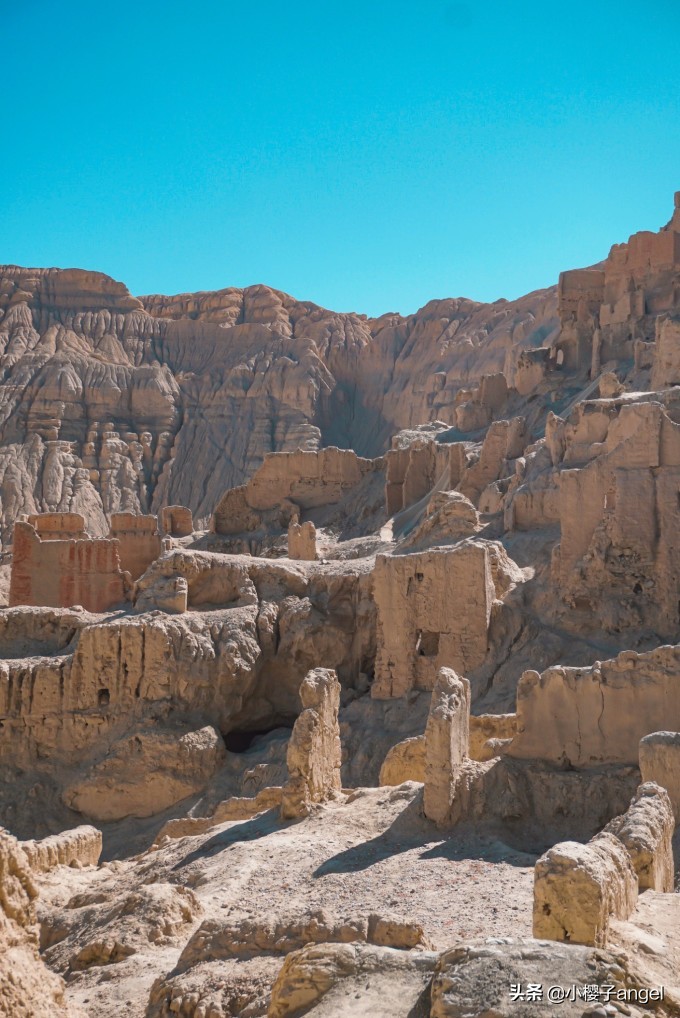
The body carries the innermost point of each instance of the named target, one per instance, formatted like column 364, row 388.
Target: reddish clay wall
column 59, row 573
column 140, row 541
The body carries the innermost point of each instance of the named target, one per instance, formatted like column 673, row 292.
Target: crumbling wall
column 28, row 989
column 586, row 717
column 58, row 526
column 412, row 470
column 490, row 734
column 56, row 572
column 578, row 888
column 66, row 706
column 504, row 441
column 177, row 521
column 55, row 563
column 580, row 291
column 646, row 832
column 476, row 408
column 80, row 846
column 433, row 610
column 404, row 762
column 645, row 255
column 531, row 369
column 140, row 543
column 606, row 311
column 666, row 354
column 288, row 482
column 618, row 470
column 660, row 763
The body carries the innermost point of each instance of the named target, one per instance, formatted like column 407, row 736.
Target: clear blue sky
column 367, row 157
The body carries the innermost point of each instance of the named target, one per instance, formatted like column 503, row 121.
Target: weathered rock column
column 446, row 742
column 302, row 541
column 660, row 762
column 314, row 754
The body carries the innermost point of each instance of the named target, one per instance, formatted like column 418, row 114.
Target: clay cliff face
column 110, row 402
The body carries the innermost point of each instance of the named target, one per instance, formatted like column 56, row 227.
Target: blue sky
column 368, row 157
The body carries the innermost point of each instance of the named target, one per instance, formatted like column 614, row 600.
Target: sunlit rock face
column 111, row 403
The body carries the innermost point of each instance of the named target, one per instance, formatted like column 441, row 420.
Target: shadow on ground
column 411, row 830
column 251, row 830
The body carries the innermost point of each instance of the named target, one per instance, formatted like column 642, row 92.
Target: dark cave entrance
column 240, row 740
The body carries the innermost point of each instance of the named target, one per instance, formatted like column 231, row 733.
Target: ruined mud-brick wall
column 177, row 521
column 412, row 471
column 604, row 311
column 665, row 353
column 309, row 479
column 618, row 506
column 302, row 541
column 57, row 572
column 70, row 681
column 140, row 543
column 115, row 672
column 580, row 291
column 433, row 611
column 586, row 717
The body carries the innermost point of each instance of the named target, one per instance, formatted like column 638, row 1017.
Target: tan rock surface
column 404, row 762
column 27, row 988
column 650, row 939
column 130, row 400
column 660, row 762
column 646, row 831
column 326, row 981
column 578, row 887
column 145, row 772
column 446, row 743
column 477, row 979
column 314, row 754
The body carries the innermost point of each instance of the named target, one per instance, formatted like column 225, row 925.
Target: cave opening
column 240, row 740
